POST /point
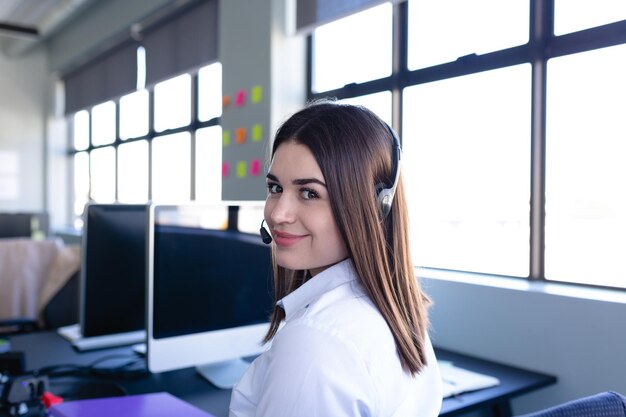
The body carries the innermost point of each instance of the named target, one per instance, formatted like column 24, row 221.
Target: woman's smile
column 287, row 239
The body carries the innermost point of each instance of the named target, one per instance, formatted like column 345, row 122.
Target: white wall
column 22, row 131
column 576, row 334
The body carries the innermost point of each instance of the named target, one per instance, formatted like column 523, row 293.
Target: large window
column 127, row 150
column 356, row 49
column 511, row 121
column 586, row 146
column 468, row 181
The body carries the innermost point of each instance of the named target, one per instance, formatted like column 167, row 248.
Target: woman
column 354, row 339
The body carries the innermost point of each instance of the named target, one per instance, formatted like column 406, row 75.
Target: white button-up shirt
column 335, row 356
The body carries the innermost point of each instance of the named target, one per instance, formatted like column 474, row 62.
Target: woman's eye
column 309, row 194
column 274, row 188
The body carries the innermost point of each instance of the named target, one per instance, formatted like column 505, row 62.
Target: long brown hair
column 353, row 148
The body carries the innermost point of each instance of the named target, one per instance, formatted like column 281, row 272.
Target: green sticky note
column 256, row 93
column 257, row 132
column 242, row 169
column 226, row 138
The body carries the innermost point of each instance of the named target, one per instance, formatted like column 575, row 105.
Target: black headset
column 384, row 192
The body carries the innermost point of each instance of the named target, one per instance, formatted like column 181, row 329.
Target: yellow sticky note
column 242, row 169
column 257, row 132
column 256, row 93
column 226, row 138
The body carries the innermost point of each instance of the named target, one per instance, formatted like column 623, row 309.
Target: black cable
column 122, row 370
column 89, row 383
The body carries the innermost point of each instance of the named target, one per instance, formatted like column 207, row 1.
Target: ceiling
column 27, row 22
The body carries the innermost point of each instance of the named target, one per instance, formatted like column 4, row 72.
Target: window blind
column 109, row 75
column 182, row 42
column 313, row 13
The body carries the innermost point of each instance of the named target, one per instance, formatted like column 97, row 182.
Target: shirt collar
column 316, row 286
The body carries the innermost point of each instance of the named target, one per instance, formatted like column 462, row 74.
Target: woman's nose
column 281, row 210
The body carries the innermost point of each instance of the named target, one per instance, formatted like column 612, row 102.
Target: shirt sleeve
column 312, row 372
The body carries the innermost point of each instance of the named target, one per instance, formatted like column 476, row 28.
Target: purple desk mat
column 158, row 404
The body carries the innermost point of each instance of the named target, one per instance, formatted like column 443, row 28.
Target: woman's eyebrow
column 304, row 181
column 300, row 181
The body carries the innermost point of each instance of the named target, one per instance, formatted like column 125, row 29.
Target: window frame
column 541, row 47
column 194, row 125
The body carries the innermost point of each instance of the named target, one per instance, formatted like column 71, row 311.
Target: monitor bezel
column 177, row 352
column 82, row 317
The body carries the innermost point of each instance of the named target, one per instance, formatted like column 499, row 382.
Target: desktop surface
column 513, row 382
column 44, row 349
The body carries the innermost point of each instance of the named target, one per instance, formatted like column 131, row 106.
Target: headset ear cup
column 384, row 199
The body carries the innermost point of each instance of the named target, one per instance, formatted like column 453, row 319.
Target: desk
column 47, row 348
column 513, row 382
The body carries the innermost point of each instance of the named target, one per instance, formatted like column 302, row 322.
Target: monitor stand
column 73, row 334
column 224, row 375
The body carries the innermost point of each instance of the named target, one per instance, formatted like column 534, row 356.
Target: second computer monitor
column 210, row 293
column 113, row 269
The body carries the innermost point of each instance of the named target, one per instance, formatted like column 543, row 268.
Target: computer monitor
column 209, row 293
column 113, row 277
column 23, row 224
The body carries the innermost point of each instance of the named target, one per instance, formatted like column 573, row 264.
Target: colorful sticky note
column 225, row 101
column 226, row 138
column 225, row 169
column 242, row 169
column 255, row 167
column 257, row 132
column 256, row 93
column 240, row 98
column 240, row 135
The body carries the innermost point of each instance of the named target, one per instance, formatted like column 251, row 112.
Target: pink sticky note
column 255, row 167
column 225, row 169
column 240, row 98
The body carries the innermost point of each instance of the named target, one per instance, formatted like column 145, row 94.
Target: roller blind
column 109, row 75
column 313, row 13
column 182, row 42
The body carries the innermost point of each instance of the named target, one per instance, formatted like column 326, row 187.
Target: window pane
column 103, row 175
column 171, row 168
column 172, row 103
column 81, row 130
column 585, row 170
column 353, row 50
column 379, row 103
column 132, row 178
column 250, row 217
column 134, row 115
column 209, row 164
column 443, row 30
column 141, row 67
column 210, row 92
column 466, row 163
column 103, row 124
column 81, row 186
column 574, row 15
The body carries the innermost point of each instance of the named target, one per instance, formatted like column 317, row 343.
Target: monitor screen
column 113, row 269
column 210, row 290
column 33, row 225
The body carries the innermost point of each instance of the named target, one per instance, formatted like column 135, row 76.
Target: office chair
column 40, row 282
column 604, row 404
column 61, row 310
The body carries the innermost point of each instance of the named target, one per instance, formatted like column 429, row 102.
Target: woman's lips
column 286, row 239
